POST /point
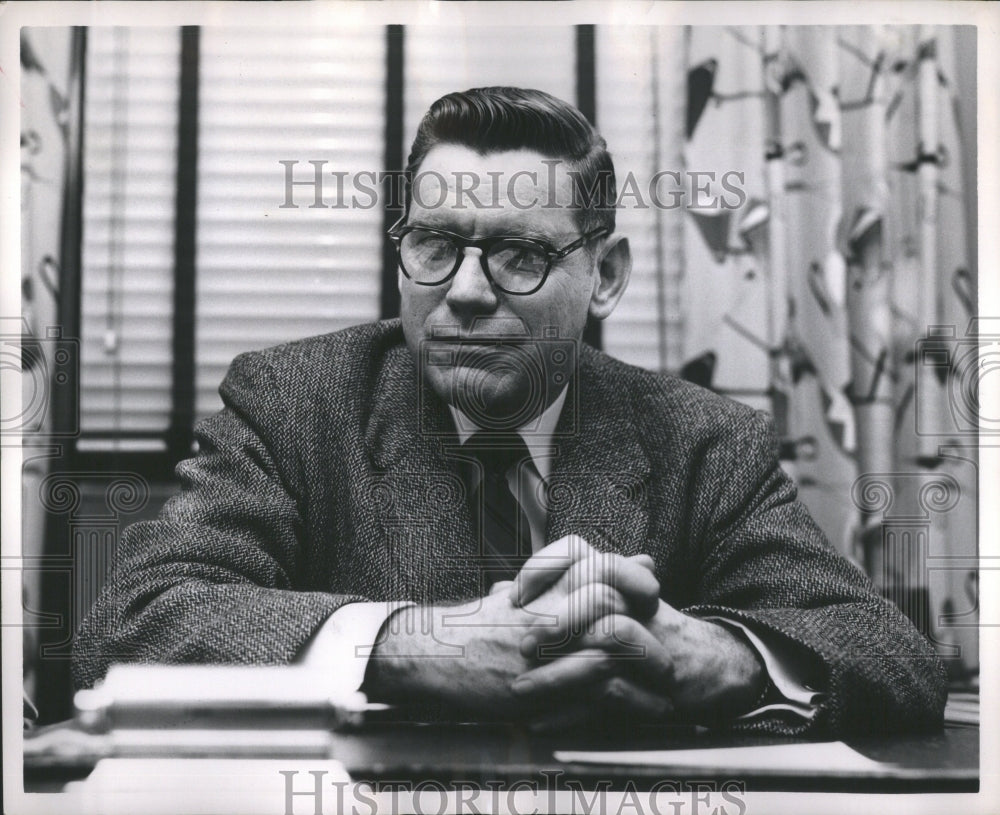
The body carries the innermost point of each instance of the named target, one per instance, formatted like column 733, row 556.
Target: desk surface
column 502, row 755
column 942, row 762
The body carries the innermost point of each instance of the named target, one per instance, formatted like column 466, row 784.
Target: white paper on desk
column 826, row 756
column 172, row 786
column 269, row 687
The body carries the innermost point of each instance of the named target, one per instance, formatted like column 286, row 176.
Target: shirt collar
column 537, row 438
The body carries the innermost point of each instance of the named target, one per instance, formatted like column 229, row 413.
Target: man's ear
column 614, row 265
column 399, row 280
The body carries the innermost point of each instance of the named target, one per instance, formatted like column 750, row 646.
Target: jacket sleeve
column 210, row 581
column 765, row 563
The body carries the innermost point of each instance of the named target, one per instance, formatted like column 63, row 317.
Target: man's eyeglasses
column 430, row 257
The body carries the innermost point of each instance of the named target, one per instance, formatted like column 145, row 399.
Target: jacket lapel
column 420, row 497
column 598, row 485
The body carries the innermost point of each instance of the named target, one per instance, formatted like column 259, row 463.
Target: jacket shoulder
column 658, row 395
column 674, row 420
column 357, row 343
column 331, row 374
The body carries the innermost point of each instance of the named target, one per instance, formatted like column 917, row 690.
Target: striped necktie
column 499, row 521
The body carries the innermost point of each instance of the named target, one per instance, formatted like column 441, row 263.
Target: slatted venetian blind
column 640, row 113
column 440, row 60
column 127, row 258
column 264, row 274
column 268, row 274
column 444, row 59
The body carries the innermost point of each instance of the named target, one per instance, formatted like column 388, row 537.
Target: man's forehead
column 504, row 187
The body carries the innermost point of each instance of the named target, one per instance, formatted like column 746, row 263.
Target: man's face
column 443, row 323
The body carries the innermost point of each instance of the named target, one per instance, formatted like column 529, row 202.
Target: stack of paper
column 962, row 708
column 788, row 758
column 217, row 696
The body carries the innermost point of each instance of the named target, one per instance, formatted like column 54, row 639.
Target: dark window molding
column 586, row 101
column 179, row 434
column 393, row 164
column 65, row 404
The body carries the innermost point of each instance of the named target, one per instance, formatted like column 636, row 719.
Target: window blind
column 444, row 59
column 641, row 114
column 267, row 274
column 129, row 167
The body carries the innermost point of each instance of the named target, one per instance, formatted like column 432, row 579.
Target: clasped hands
column 617, row 648
column 579, row 636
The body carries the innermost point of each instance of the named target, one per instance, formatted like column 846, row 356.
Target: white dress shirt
column 343, row 644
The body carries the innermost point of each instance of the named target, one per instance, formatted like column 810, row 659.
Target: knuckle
column 603, row 666
column 612, row 566
column 587, row 569
column 599, row 631
column 622, row 625
column 578, row 546
column 626, row 632
column 608, row 597
column 615, row 689
column 651, row 587
column 647, row 580
column 605, row 569
column 617, row 605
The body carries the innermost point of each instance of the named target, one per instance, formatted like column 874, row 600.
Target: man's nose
column 470, row 288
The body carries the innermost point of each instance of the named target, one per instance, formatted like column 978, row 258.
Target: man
column 471, row 509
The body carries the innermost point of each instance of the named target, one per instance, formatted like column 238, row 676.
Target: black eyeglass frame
column 398, row 231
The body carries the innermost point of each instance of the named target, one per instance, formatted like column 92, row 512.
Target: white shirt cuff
column 342, row 646
column 784, row 673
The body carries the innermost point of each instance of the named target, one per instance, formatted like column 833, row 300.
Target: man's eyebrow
column 502, row 231
column 416, row 222
column 521, row 231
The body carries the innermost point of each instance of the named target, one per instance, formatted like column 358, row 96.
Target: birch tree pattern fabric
column 836, row 289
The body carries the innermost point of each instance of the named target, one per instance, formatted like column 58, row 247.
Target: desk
column 943, row 762
column 491, row 755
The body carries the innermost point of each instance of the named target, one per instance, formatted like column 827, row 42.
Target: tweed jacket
column 327, row 478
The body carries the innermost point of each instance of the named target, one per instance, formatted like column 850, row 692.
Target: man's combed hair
column 491, row 120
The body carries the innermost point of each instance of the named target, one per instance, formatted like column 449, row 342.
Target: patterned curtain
column 49, row 71
column 838, row 293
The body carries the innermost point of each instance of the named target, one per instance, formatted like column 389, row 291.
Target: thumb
column 501, row 586
column 545, row 567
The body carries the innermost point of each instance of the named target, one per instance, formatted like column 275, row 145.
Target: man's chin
column 489, row 400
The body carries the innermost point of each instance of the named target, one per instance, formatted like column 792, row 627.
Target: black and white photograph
column 499, row 407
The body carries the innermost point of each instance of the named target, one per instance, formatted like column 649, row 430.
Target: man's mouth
column 485, row 331
column 478, row 350
column 478, row 341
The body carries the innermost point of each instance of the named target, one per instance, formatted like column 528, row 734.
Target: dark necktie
column 499, row 520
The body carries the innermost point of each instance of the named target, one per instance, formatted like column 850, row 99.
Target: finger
column 627, row 639
column 500, row 586
column 644, row 560
column 600, row 678
column 620, row 694
column 633, row 580
column 578, row 612
column 545, row 567
column 629, row 575
column 568, row 673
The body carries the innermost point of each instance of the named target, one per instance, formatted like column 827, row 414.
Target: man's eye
column 434, row 246
column 518, row 260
